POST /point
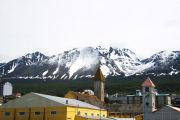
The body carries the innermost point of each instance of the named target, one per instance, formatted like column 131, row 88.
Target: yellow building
column 91, row 99
column 34, row 106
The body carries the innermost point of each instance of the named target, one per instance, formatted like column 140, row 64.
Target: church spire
column 99, row 75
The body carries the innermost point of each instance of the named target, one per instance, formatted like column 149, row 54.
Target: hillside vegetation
column 127, row 85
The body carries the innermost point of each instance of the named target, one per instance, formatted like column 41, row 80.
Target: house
column 35, row 106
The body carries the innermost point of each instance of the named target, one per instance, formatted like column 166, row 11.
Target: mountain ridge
column 83, row 62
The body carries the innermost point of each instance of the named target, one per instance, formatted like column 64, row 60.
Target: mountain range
column 83, row 62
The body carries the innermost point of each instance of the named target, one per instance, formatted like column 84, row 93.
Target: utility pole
column 100, row 111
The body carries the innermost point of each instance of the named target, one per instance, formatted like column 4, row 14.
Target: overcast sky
column 52, row 26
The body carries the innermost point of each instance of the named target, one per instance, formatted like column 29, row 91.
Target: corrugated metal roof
column 68, row 102
column 42, row 100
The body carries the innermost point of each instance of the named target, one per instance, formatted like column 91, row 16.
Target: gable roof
column 42, row 100
column 148, row 83
column 99, row 75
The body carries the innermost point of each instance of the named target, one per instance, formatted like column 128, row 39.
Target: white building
column 7, row 89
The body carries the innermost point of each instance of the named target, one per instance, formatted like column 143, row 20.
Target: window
column 22, row 113
column 98, row 115
column 92, row 114
column 79, row 113
column 146, row 89
column 7, row 113
column 85, row 114
column 53, row 112
column 37, row 113
column 103, row 115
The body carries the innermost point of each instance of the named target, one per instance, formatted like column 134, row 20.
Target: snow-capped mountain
column 164, row 62
column 77, row 63
column 20, row 65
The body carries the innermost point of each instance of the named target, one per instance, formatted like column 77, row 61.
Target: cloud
column 144, row 27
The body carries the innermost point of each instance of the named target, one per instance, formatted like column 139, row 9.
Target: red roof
column 148, row 83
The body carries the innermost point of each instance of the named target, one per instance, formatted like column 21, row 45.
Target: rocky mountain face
column 1, row 64
column 164, row 62
column 77, row 63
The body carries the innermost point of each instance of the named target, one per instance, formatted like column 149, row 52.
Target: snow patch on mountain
column 56, row 71
column 45, row 72
column 87, row 57
column 12, row 68
column 143, row 67
column 105, row 70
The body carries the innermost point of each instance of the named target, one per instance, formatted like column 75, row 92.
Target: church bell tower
column 99, row 80
column 149, row 96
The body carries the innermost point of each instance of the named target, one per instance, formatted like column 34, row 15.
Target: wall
column 45, row 113
column 10, row 117
column 37, row 117
column 22, row 117
column 62, row 113
column 72, row 111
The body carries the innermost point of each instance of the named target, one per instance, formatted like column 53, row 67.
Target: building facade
column 34, row 106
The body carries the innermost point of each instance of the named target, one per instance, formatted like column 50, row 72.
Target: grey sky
column 52, row 26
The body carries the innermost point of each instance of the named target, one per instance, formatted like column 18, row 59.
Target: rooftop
column 41, row 100
column 175, row 108
column 148, row 83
